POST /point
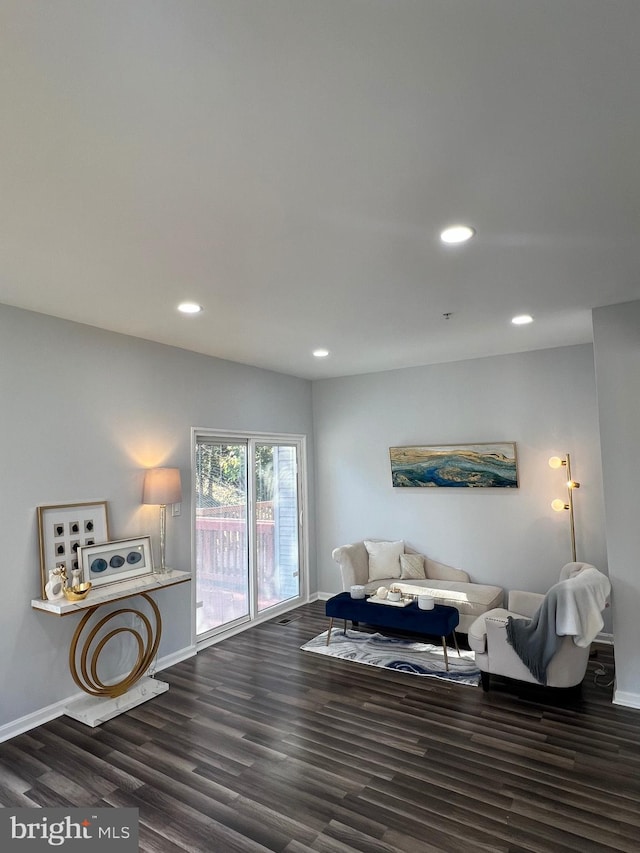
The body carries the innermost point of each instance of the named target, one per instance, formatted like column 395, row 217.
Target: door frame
column 255, row 616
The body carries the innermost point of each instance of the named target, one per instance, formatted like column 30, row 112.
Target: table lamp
column 161, row 487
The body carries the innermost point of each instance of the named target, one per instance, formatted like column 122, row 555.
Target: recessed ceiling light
column 522, row 319
column 321, row 352
column 189, row 308
column 457, row 234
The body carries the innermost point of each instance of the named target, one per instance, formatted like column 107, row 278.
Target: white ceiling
column 290, row 163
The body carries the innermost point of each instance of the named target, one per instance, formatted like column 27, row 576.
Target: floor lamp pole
column 559, row 505
column 570, row 487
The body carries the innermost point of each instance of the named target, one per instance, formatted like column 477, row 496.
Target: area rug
column 413, row 658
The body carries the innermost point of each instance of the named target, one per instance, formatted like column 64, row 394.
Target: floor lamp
column 559, row 505
column 161, row 487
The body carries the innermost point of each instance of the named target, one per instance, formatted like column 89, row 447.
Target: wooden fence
column 221, row 550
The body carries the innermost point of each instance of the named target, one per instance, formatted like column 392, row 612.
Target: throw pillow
column 384, row 559
column 412, row 566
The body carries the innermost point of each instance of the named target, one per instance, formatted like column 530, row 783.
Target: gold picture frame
column 63, row 529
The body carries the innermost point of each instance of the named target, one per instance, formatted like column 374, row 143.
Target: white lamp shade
column 162, row 486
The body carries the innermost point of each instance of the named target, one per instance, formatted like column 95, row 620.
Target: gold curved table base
column 87, row 678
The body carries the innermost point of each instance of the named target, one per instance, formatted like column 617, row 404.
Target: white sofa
column 446, row 584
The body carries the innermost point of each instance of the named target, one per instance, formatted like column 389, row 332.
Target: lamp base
column 162, row 568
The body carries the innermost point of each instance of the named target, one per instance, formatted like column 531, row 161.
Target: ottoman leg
column 455, row 642
column 444, row 649
column 329, row 631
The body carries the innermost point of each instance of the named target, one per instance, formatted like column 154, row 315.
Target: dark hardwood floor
column 259, row 746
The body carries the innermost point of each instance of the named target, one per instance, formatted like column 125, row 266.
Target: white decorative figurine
column 54, row 589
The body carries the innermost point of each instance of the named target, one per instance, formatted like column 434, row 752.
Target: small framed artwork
column 63, row 530
column 471, row 466
column 116, row 561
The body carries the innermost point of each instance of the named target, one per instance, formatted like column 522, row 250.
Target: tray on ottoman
column 375, row 600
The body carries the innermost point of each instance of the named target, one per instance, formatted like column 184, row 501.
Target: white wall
column 545, row 401
column 82, row 413
column 616, row 332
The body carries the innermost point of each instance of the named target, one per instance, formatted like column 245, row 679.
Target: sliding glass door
column 277, row 528
column 221, row 542
column 248, row 534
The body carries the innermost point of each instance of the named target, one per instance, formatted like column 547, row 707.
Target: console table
column 104, row 701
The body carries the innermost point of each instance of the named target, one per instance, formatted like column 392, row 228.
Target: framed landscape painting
column 470, row 466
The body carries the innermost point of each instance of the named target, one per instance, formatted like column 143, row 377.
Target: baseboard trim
column 52, row 712
column 177, row 657
column 32, row 721
column 629, row 700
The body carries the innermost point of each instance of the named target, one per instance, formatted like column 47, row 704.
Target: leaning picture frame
column 63, row 529
column 120, row 560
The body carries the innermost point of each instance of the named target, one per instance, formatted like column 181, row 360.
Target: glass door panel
column 221, row 535
column 276, row 523
column 247, row 528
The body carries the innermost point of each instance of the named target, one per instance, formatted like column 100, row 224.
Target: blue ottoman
column 441, row 621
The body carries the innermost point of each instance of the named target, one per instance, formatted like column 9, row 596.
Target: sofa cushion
column 412, row 566
column 384, row 558
column 471, row 599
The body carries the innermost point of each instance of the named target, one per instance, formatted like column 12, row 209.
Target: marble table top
column 113, row 592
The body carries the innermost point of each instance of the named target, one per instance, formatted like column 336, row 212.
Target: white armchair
column 573, row 605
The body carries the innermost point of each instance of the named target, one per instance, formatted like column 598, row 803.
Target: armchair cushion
column 384, row 559
column 524, row 603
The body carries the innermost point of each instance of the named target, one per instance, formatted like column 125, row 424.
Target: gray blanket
column 535, row 640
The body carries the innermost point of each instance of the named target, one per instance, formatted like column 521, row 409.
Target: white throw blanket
column 580, row 602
